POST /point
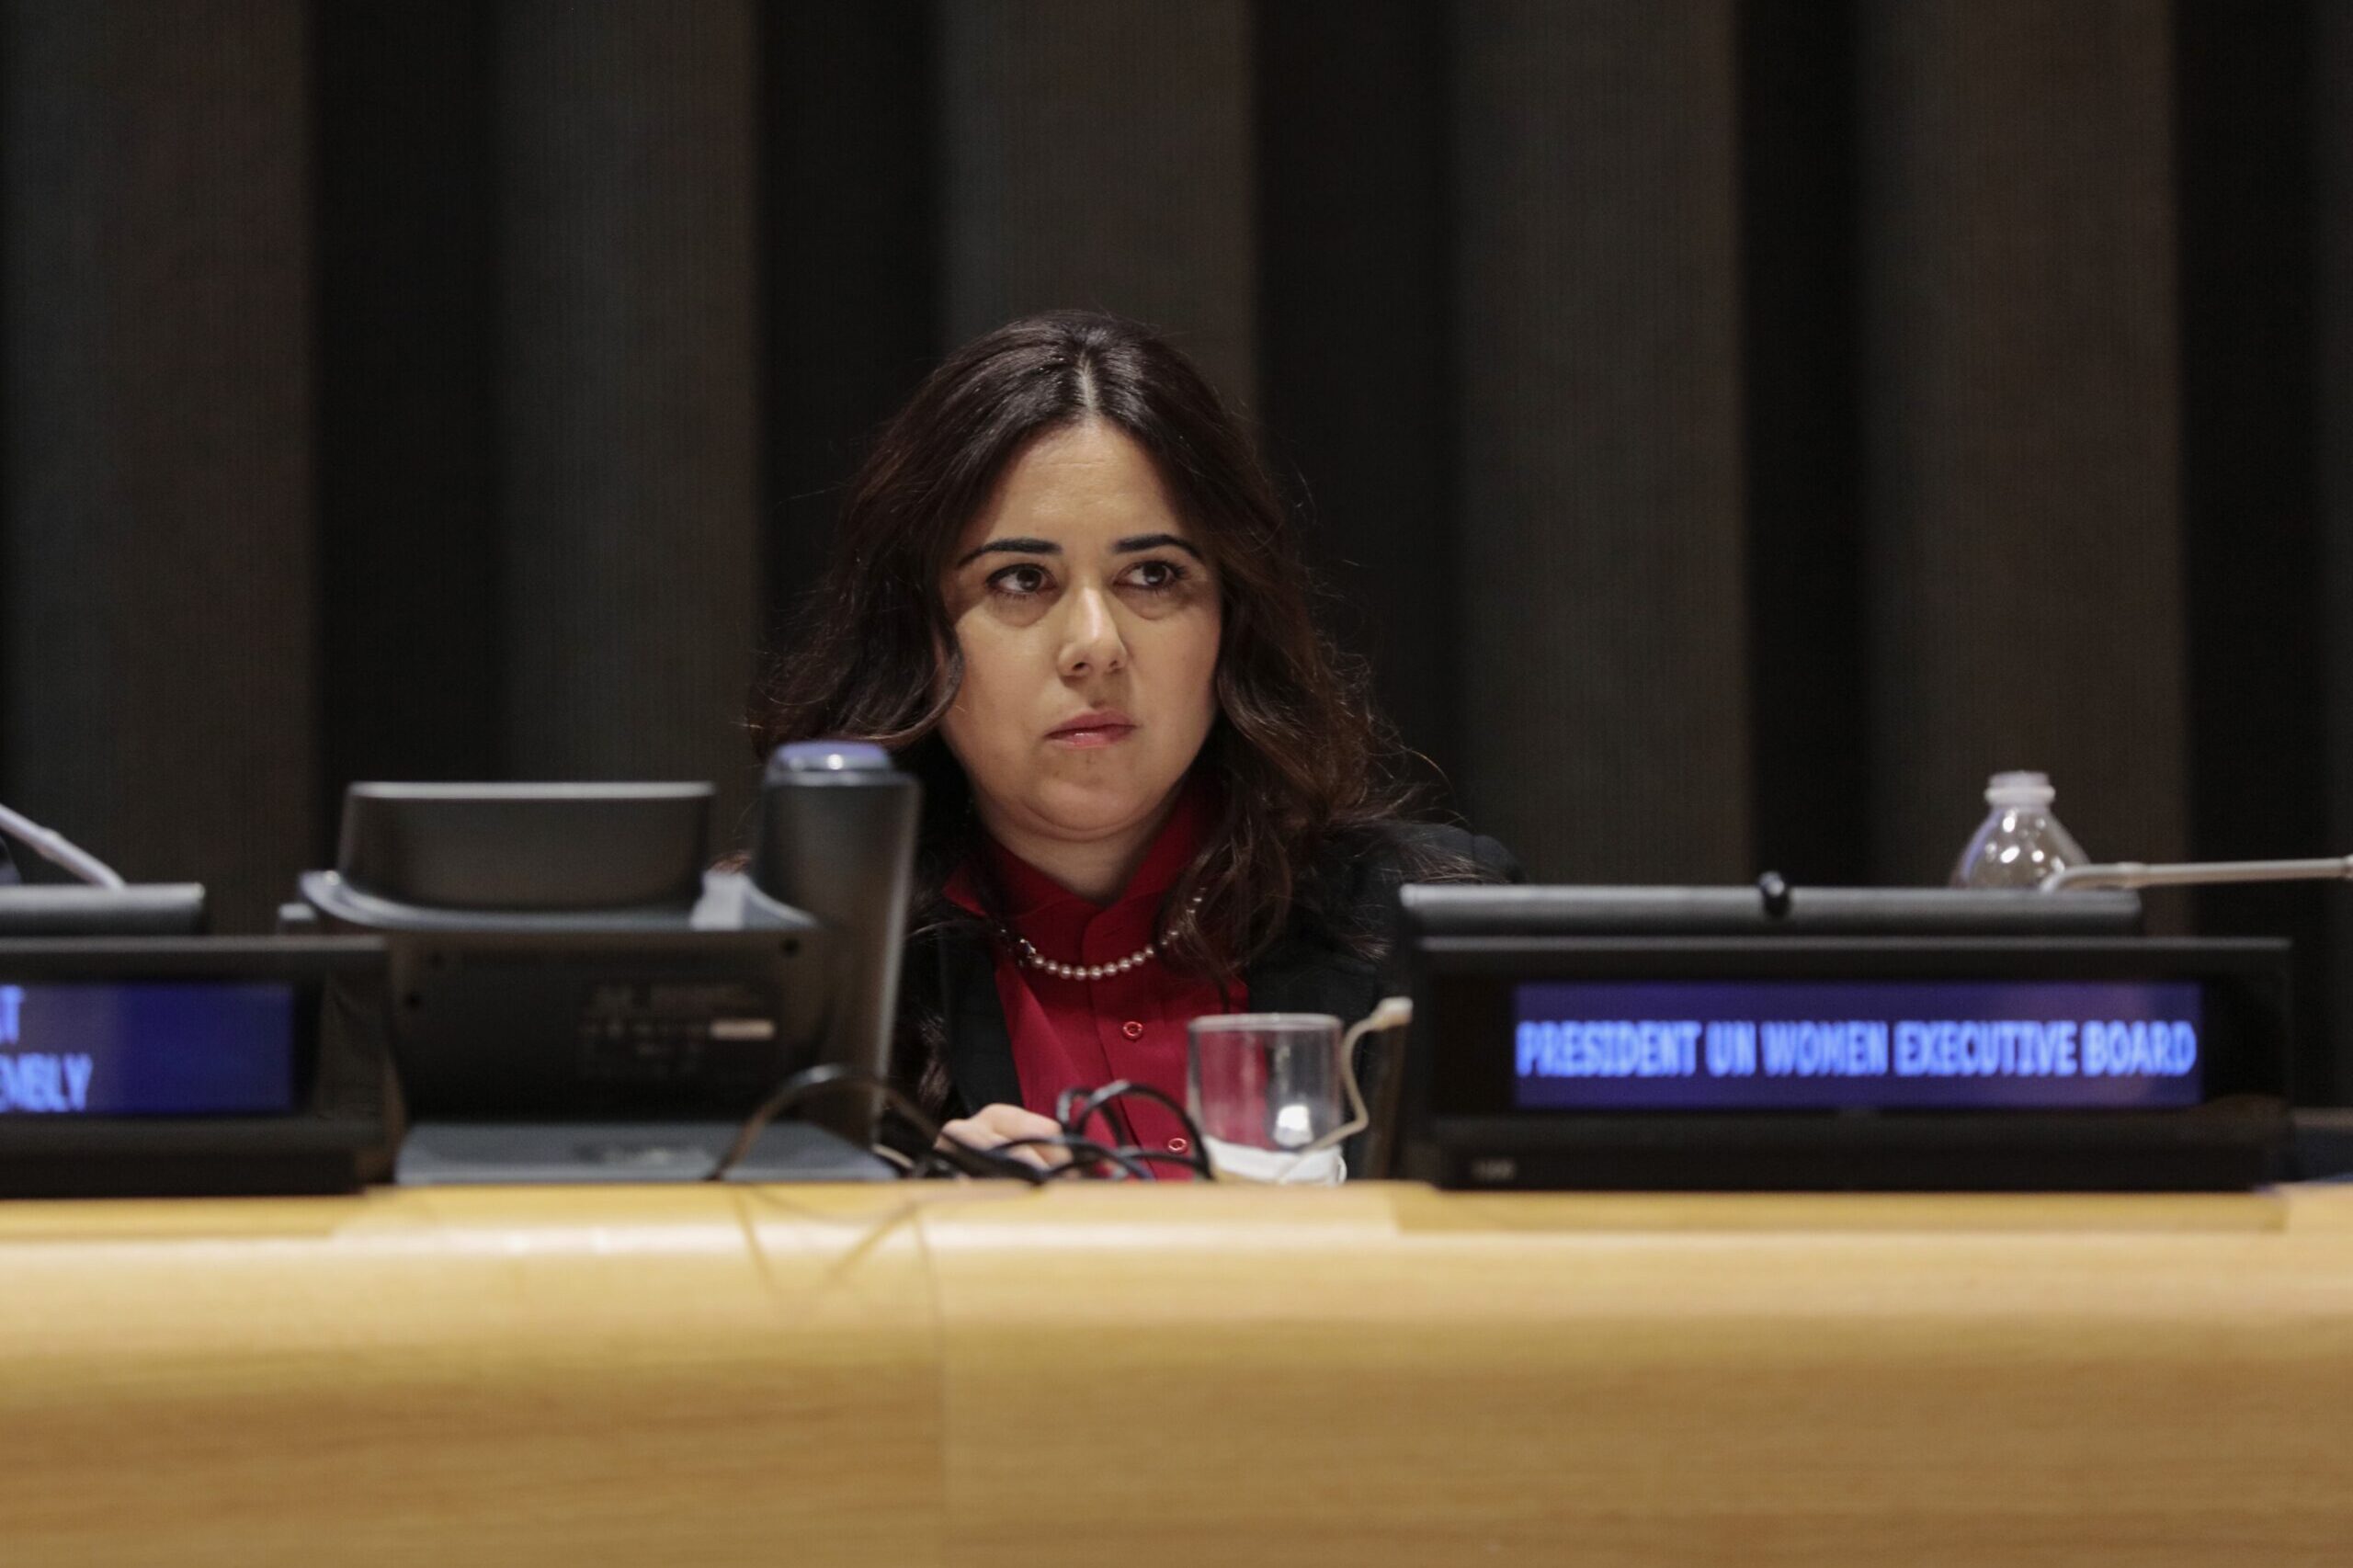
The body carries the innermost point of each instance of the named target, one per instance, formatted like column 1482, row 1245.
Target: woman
column 1064, row 594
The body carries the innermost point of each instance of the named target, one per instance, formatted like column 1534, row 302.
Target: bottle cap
column 2020, row 789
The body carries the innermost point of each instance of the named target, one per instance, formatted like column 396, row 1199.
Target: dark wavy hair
column 1305, row 764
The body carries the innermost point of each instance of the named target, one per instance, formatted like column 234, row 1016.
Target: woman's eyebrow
column 1012, row 547
column 1136, row 543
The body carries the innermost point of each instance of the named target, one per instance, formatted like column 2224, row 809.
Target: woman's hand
column 995, row 1124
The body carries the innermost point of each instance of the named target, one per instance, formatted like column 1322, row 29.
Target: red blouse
column 1084, row 1033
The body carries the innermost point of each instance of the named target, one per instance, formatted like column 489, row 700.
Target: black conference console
column 495, row 983
column 1836, row 1038
column 165, row 1066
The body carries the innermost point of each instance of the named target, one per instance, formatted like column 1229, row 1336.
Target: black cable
column 1128, row 1157
column 1075, row 1125
column 1074, row 1109
column 1163, row 1158
column 1085, row 1154
column 1076, row 1117
column 833, row 1078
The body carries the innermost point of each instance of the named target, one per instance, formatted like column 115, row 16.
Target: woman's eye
column 1017, row 581
column 1157, row 576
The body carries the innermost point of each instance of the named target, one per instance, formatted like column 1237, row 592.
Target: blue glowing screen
column 147, row 1047
column 1826, row 1045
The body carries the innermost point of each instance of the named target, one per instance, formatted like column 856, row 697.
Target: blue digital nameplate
column 1757, row 1045
column 148, row 1048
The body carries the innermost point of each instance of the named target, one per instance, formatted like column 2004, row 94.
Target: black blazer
column 1303, row 973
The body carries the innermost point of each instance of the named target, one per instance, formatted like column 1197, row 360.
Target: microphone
column 2196, row 873
column 59, row 851
column 107, row 906
column 836, row 838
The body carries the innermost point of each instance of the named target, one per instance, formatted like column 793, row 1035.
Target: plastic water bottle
column 2019, row 843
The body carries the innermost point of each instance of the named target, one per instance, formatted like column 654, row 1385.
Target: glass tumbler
column 1268, row 1092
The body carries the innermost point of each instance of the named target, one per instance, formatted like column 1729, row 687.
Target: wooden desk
column 1371, row 1375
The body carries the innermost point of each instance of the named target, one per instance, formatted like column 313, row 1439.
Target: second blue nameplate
column 1883, row 1044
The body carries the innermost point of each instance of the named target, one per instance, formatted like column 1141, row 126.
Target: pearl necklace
column 1027, row 951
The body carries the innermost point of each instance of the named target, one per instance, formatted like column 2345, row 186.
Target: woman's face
column 1089, row 618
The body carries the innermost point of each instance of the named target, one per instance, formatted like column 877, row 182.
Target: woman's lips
column 1083, row 737
column 1102, row 727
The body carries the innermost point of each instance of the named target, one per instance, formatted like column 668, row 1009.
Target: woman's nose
column 1091, row 640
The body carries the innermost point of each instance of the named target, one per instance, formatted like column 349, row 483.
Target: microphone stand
column 59, row 851
column 2134, row 874
column 2324, row 1135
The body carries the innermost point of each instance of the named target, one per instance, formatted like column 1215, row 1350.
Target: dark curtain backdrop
column 1733, row 427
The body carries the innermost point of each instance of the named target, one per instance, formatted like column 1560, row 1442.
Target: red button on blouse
column 1084, row 1033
